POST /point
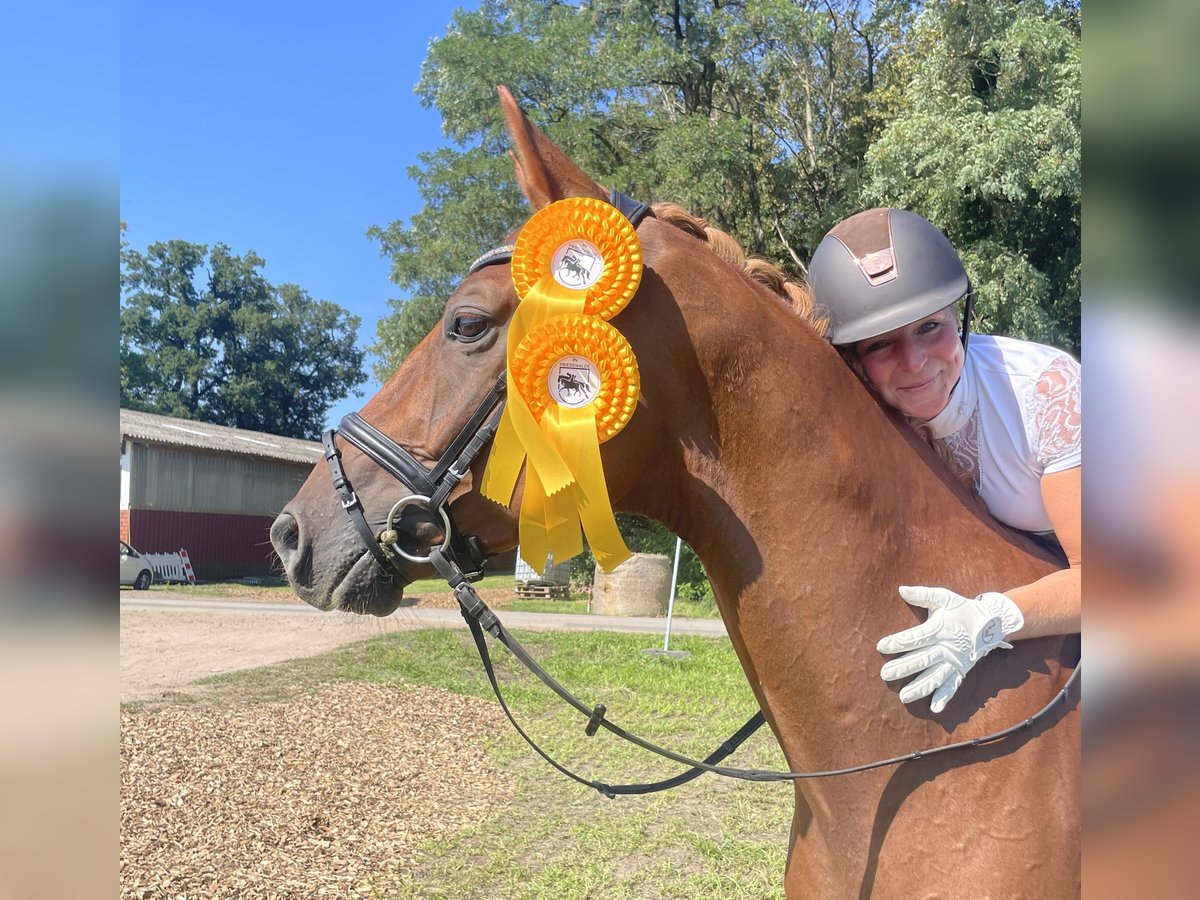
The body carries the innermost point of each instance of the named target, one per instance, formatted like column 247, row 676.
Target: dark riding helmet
column 881, row 269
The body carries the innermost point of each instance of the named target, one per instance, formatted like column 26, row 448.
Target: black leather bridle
column 460, row 560
column 431, row 487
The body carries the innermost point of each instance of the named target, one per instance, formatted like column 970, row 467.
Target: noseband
column 431, row 487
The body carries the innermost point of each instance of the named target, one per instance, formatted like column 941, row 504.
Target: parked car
column 135, row 569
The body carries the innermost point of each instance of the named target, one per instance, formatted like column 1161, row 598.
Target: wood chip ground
column 326, row 796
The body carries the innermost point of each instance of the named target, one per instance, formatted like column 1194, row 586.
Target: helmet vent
column 879, row 267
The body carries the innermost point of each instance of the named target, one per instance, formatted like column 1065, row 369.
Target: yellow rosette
column 576, row 263
column 582, row 247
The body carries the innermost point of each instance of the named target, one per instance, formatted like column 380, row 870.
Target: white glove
column 958, row 633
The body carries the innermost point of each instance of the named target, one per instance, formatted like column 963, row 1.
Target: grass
column 434, row 585
column 684, row 609
column 712, row 838
column 232, row 589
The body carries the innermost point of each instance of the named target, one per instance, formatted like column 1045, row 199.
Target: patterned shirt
column 1014, row 416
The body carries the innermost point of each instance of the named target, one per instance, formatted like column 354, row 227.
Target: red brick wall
column 219, row 545
column 125, row 525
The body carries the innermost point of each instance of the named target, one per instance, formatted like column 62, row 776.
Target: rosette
column 583, row 246
column 572, row 378
column 577, row 361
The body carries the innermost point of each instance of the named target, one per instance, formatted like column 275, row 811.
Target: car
column 135, row 569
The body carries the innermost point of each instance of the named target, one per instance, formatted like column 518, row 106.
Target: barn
column 209, row 489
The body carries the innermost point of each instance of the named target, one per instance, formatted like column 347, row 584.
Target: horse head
column 427, row 401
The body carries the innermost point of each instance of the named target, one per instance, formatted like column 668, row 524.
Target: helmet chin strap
column 966, row 319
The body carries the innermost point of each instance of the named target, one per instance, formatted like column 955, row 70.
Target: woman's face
column 914, row 368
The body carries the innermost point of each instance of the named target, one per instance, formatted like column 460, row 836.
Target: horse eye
column 468, row 326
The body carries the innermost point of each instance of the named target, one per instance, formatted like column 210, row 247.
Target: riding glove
column 958, row 633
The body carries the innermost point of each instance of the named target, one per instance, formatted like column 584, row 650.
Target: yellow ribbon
column 592, row 247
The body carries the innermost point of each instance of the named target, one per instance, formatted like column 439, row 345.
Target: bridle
column 460, row 559
column 431, row 487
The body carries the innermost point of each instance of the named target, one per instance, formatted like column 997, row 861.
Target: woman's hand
column 958, row 633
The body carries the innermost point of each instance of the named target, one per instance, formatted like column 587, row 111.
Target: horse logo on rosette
column 573, row 381
column 577, row 264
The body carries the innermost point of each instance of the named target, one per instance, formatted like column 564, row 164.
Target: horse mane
column 795, row 295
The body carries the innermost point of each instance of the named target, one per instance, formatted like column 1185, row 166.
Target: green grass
column 712, row 838
column 230, row 589
column 436, row 585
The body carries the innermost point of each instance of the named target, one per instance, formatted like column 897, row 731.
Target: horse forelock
column 761, row 271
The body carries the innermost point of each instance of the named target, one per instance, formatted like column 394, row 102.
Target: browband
column 633, row 210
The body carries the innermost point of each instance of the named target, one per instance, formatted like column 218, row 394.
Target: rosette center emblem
column 574, row 382
column 577, row 264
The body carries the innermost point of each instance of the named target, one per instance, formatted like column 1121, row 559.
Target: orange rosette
column 572, row 378
column 585, row 362
column 584, row 246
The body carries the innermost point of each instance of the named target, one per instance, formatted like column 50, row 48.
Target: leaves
column 754, row 115
column 986, row 143
column 205, row 336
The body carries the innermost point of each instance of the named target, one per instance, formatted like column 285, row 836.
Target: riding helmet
column 881, row 269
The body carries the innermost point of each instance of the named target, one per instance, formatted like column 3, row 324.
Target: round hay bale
column 640, row 586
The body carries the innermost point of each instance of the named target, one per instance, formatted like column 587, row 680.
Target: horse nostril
column 285, row 538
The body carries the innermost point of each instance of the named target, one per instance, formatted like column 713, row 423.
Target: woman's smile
column 914, row 368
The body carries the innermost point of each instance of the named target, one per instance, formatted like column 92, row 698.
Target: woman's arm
column 1052, row 604
column 960, row 631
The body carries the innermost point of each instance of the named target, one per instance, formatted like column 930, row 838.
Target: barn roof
column 157, row 429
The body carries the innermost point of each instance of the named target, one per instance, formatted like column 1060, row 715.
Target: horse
column 808, row 504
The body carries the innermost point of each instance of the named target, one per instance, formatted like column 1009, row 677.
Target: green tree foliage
column 986, row 143
column 755, row 115
column 774, row 119
column 205, row 336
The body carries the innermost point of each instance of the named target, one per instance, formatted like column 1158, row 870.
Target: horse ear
column 544, row 172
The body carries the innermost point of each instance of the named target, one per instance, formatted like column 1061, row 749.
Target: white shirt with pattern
column 1014, row 416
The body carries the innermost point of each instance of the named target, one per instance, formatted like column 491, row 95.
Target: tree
column 755, row 115
column 205, row 336
column 773, row 119
column 986, row 143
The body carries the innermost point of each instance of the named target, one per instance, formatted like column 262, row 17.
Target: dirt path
column 162, row 650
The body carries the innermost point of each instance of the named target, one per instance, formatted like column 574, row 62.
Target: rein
column 481, row 618
column 460, row 560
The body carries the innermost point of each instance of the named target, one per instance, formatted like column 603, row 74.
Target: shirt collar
column 963, row 400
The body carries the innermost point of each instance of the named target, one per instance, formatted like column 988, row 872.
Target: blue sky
column 282, row 128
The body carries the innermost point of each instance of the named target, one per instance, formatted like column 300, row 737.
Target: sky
column 286, row 128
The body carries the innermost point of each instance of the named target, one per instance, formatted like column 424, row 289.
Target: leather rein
column 460, row 560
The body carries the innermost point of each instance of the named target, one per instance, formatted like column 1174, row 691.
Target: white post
column 671, row 601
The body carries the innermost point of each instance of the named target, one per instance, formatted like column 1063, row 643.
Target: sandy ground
column 330, row 794
column 164, row 649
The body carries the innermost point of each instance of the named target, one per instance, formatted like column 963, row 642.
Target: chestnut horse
column 808, row 504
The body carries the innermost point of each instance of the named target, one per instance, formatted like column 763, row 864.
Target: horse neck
column 808, row 506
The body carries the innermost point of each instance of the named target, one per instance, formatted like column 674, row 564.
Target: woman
column 1008, row 412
